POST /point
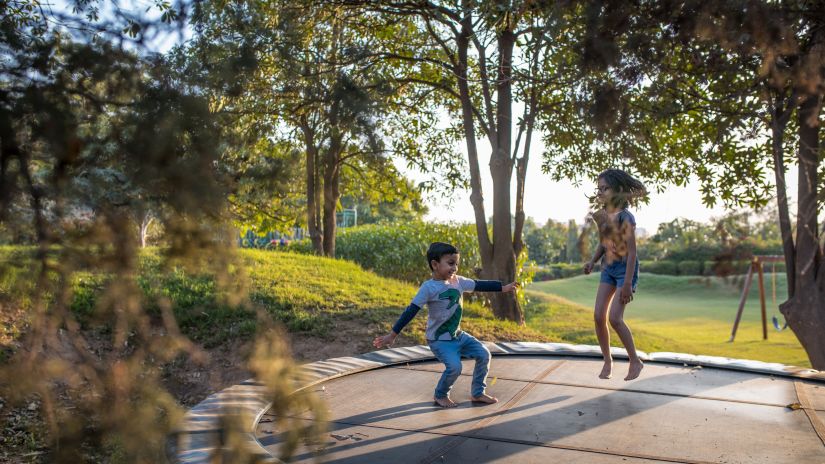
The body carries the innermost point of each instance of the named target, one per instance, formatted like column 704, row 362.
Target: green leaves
column 687, row 91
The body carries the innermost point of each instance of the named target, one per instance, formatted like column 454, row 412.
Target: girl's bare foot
column 484, row 398
column 635, row 369
column 445, row 402
column 607, row 370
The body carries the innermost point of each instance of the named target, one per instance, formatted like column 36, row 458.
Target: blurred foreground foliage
column 95, row 130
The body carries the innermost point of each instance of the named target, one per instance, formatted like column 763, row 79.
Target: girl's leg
column 448, row 353
column 621, row 328
column 474, row 349
column 603, row 295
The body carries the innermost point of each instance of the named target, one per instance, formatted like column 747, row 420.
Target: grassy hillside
column 338, row 300
column 331, row 307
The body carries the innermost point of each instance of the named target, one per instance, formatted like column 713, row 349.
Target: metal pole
column 744, row 297
column 762, row 299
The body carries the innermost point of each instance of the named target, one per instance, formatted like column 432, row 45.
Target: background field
column 690, row 314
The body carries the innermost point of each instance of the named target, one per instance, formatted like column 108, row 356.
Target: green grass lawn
column 691, row 315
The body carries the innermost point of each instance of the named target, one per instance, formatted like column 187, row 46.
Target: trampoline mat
column 556, row 409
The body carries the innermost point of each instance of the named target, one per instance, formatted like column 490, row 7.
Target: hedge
column 399, row 250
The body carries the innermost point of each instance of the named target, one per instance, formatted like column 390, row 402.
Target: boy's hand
column 627, row 293
column 588, row 267
column 386, row 340
column 509, row 287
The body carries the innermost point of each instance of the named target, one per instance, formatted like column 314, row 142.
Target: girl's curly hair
column 627, row 190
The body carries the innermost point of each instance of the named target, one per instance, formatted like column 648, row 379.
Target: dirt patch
column 12, row 324
column 226, row 365
column 350, row 338
column 191, row 382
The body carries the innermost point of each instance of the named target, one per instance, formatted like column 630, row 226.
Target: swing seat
column 776, row 324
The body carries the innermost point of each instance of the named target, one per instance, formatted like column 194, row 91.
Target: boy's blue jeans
column 449, row 352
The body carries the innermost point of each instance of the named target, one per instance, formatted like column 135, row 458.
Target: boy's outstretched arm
column 494, row 286
column 403, row 320
column 511, row 287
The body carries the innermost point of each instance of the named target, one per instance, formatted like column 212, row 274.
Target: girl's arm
column 598, row 254
column 588, row 266
column 630, row 241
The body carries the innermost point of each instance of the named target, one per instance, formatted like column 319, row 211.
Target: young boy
column 442, row 294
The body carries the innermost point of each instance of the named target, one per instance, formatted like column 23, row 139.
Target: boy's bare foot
column 607, row 370
column 484, row 398
column 445, row 402
column 635, row 369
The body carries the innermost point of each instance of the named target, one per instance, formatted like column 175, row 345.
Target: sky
column 562, row 201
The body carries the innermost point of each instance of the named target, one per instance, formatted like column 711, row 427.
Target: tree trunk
column 319, row 240
column 781, row 112
column 521, row 163
column 476, row 194
column 331, row 193
column 312, row 188
column 518, row 228
column 332, row 158
column 498, row 260
column 330, row 226
column 521, row 178
column 805, row 312
column 521, row 175
column 145, row 222
column 505, row 305
column 807, row 235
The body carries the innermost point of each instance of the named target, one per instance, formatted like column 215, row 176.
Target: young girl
column 620, row 268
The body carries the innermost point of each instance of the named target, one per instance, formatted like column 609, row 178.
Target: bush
column 559, row 271
column 725, row 268
column 303, row 246
column 689, row 268
column 659, row 267
column 707, row 268
column 697, row 251
column 399, row 250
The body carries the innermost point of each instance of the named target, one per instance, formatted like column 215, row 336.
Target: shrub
column 559, row 271
column 689, row 268
column 399, row 250
column 707, row 268
column 299, row 246
column 725, row 268
column 659, row 267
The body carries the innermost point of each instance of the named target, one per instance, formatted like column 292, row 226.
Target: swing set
column 757, row 266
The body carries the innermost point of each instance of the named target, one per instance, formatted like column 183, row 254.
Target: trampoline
column 553, row 408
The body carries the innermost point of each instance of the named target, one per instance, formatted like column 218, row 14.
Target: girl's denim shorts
column 614, row 274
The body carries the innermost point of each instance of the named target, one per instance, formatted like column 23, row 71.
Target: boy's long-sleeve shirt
column 443, row 299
